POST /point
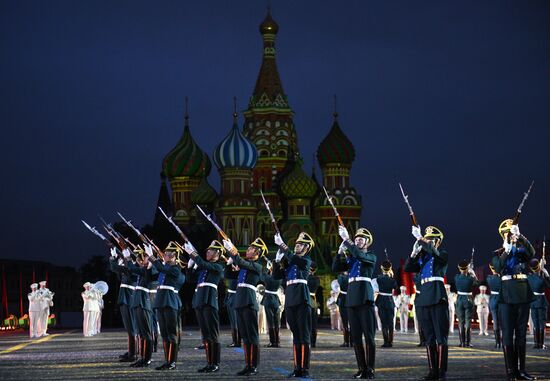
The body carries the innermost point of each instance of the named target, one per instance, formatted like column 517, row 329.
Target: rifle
column 101, row 236
column 472, row 258
column 386, row 252
column 222, row 233
column 141, row 236
column 180, row 232
column 543, row 257
column 411, row 212
column 270, row 214
column 336, row 214
column 520, row 207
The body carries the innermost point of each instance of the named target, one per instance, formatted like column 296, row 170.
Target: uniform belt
column 247, row 286
column 359, row 279
column 463, row 293
column 516, row 276
column 294, row 281
column 207, row 284
column 494, row 292
column 163, row 287
column 124, row 285
column 417, row 292
column 432, row 279
column 143, row 289
column 344, row 292
column 538, row 293
column 385, row 294
column 231, row 291
column 272, row 292
column 312, row 294
column 152, row 291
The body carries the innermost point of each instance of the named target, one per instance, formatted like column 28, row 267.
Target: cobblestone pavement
column 67, row 355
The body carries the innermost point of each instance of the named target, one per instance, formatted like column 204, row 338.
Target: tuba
column 101, row 287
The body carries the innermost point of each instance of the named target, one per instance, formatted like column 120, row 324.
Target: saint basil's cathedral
column 262, row 155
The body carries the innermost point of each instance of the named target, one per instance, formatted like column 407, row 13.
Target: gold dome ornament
column 505, row 226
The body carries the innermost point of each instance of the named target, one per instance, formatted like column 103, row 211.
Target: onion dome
column 336, row 147
column 269, row 26
column 297, row 184
column 204, row 194
column 235, row 151
column 186, row 158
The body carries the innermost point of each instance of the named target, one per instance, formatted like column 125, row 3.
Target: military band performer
column 515, row 298
column 402, row 302
column 465, row 283
column 271, row 304
column 245, row 301
column 539, row 282
column 125, row 294
column 494, row 283
column 297, row 298
column 482, row 306
column 360, row 298
column 35, row 308
column 46, row 300
column 205, row 300
column 386, row 306
column 431, row 262
column 167, row 302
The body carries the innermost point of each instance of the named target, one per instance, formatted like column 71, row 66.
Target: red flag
column 4, row 292
column 20, row 294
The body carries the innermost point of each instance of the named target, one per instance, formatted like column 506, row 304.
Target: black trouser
column 362, row 321
column 209, row 322
column 299, row 320
column 168, row 322
column 232, row 314
column 127, row 319
column 539, row 318
column 272, row 317
column 463, row 310
column 386, row 317
column 143, row 323
column 434, row 321
column 247, row 323
column 513, row 322
column 343, row 312
column 314, row 321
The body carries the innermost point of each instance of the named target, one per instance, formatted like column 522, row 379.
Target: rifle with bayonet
column 411, row 212
column 102, row 237
column 472, row 258
column 171, row 221
column 141, row 236
column 336, row 214
column 270, row 214
column 217, row 227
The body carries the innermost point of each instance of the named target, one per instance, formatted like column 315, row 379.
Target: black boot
column 536, row 338
column 520, row 354
column 297, row 361
column 361, row 360
column 132, row 354
column 172, row 355
column 421, row 337
column 277, row 337
column 254, row 359
column 511, row 362
column 208, row 351
column 146, row 353
column 306, row 350
column 370, row 351
column 346, row 338
column 433, row 373
column 233, row 338
column 385, row 336
column 165, row 365
column 246, row 361
column 460, row 335
column 215, row 359
column 313, row 338
column 497, row 337
column 140, row 360
column 155, row 342
column 468, row 338
column 390, row 336
column 271, row 338
column 442, row 357
column 541, row 339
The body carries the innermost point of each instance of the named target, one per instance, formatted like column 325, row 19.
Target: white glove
column 342, row 248
column 190, row 263
column 148, row 250
column 126, row 253
column 195, row 266
column 514, row 229
column 120, row 262
column 542, row 262
column 416, row 249
column 189, row 248
column 230, row 261
column 507, row 246
column 471, row 272
column 278, row 240
column 545, row 272
column 149, row 265
column 113, row 252
column 343, row 232
column 228, row 245
column 279, row 256
column 416, row 232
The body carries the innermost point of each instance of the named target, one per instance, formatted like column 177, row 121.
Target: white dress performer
column 482, row 304
column 332, row 306
column 402, row 303
column 46, row 299
column 35, row 308
column 451, row 297
column 90, row 310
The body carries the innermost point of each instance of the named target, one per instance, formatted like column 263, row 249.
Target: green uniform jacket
column 386, row 284
column 141, row 296
column 465, row 283
column 271, row 285
column 125, row 294
column 298, row 268
column 250, row 275
column 361, row 264
column 313, row 284
column 539, row 284
column 173, row 278
column 211, row 273
column 515, row 291
column 430, row 262
column 232, row 281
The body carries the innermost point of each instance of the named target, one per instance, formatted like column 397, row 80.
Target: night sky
column 450, row 98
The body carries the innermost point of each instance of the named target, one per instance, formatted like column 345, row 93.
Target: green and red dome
column 297, row 184
column 186, row 159
column 336, row 147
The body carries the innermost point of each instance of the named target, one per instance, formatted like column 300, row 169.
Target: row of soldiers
column 293, row 267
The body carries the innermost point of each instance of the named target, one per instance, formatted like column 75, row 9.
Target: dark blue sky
column 450, row 98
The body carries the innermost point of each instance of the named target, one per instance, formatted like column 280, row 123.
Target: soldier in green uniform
column 386, row 306
column 167, row 301
column 417, row 312
column 125, row 294
column 141, row 305
column 465, row 283
column 539, row 282
column 431, row 262
column 271, row 304
column 515, row 298
column 360, row 299
column 205, row 300
column 313, row 283
column 231, row 273
column 297, row 298
column 494, row 285
column 340, row 265
column 245, row 301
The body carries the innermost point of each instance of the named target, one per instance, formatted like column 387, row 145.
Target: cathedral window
column 282, row 153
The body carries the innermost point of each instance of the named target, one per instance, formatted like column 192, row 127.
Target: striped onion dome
column 186, row 158
column 336, row 147
column 297, row 184
column 235, row 150
column 204, row 194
